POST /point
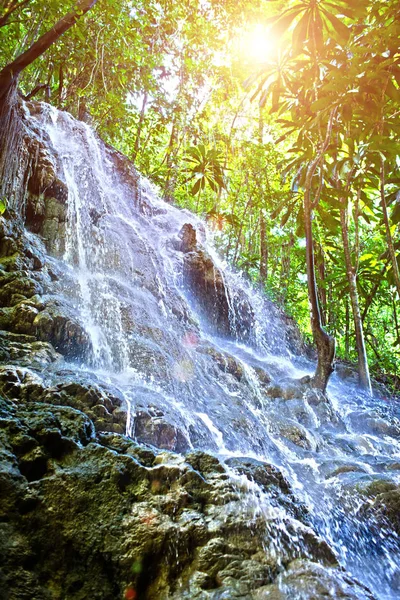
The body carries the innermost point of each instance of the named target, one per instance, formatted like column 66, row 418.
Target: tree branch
column 10, row 73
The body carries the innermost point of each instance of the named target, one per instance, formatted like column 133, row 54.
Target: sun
column 257, row 45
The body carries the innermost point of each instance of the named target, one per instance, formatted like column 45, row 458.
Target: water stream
column 124, row 275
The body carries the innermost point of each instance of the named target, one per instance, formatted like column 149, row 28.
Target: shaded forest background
column 278, row 121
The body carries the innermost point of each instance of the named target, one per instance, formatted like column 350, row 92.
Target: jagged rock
column 24, row 282
column 308, row 581
column 63, row 331
column 225, row 362
column 188, row 238
column 271, row 480
column 25, row 351
column 383, row 503
column 85, row 516
column 207, row 285
column 294, row 432
column 155, row 430
column 104, row 406
column 372, row 421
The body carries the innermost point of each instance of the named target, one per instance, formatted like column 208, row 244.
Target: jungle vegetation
column 278, row 121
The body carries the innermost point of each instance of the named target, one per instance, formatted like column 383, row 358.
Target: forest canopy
column 278, row 121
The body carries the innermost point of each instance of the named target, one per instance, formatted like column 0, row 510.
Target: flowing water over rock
column 161, row 339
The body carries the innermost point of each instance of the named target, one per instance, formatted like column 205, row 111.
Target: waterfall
column 214, row 358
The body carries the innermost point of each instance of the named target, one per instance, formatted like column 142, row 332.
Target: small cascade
column 232, row 390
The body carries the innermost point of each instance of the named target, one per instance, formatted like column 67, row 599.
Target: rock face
column 25, row 278
column 210, row 292
column 86, row 515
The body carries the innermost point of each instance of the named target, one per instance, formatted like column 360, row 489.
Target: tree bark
column 139, row 127
column 389, row 238
column 263, row 250
column 363, row 371
column 374, row 291
column 347, row 331
column 324, row 342
column 326, row 345
column 10, row 73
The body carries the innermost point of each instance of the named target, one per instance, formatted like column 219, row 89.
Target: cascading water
column 230, row 393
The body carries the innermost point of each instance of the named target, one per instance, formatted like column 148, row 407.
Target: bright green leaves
column 311, row 23
column 205, row 167
column 3, row 205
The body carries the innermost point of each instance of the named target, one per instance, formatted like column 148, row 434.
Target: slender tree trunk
column 168, row 159
column 347, row 331
column 363, row 371
column 10, row 73
column 140, row 127
column 263, row 250
column 239, row 235
column 396, row 320
column 60, row 84
column 389, row 238
column 320, row 259
column 374, row 291
column 324, row 342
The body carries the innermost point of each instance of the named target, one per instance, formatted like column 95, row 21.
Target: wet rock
column 206, row 282
column 155, row 430
column 310, row 581
column 294, row 432
column 24, row 281
column 271, row 480
column 383, row 503
column 65, row 333
column 372, row 421
column 25, row 351
column 264, row 474
column 88, row 516
column 336, row 468
column 226, row 362
column 188, row 238
column 204, row 463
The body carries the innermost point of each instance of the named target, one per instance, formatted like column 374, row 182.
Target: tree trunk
column 389, row 238
column 263, row 250
column 347, row 331
column 320, row 259
column 374, row 291
column 10, row 73
column 363, row 371
column 139, row 127
column 324, row 342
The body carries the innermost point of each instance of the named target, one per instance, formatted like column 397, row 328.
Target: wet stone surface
column 93, row 515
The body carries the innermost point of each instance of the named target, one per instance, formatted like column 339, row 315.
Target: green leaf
column 347, row 113
column 196, row 188
column 286, row 216
column 395, row 217
column 299, row 35
column 3, row 205
column 340, row 28
column 322, row 103
column 392, row 91
column 317, row 25
column 283, row 22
